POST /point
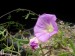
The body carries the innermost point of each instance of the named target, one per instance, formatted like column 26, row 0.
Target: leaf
column 21, row 41
column 27, row 16
column 9, row 17
column 32, row 13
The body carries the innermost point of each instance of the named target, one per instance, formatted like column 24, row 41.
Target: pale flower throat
column 49, row 28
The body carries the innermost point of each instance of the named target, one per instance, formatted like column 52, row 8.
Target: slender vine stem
column 16, row 10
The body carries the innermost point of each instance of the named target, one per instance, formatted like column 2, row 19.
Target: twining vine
column 19, row 22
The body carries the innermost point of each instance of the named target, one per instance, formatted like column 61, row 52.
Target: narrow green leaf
column 9, row 17
column 21, row 40
column 27, row 16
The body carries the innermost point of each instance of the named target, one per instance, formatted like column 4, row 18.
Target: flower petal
column 34, row 43
column 42, row 36
column 54, row 24
column 40, row 29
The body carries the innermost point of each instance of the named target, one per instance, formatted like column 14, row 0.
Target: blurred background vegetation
column 16, row 27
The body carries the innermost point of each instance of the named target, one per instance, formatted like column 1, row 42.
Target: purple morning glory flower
column 34, row 43
column 45, row 27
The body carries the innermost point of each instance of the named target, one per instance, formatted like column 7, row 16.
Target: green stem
column 18, row 47
column 41, row 50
